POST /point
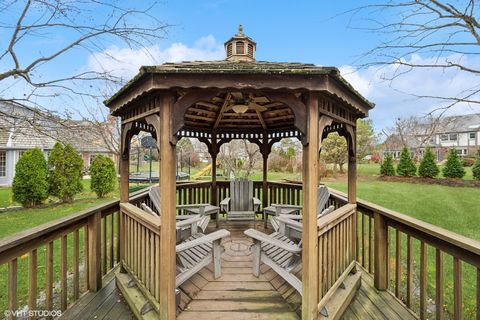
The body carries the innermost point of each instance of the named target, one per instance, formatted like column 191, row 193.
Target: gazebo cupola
column 240, row 47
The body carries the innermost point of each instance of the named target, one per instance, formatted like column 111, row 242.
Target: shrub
column 476, row 166
column 30, row 186
column 64, row 172
column 103, row 175
column 406, row 167
column 453, row 167
column 428, row 168
column 387, row 169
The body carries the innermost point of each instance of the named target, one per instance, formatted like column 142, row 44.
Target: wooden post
column 310, row 231
column 167, row 207
column 124, row 184
column 213, row 154
column 381, row 252
column 94, row 252
column 265, row 175
column 352, row 166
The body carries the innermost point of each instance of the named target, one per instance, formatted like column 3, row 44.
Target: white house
column 23, row 129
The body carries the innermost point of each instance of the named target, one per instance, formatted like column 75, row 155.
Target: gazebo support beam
column 310, row 233
column 265, row 151
column 213, row 155
column 167, row 180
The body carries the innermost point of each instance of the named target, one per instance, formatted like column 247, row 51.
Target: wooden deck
column 107, row 304
column 237, row 294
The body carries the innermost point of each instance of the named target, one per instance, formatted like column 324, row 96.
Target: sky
column 318, row 32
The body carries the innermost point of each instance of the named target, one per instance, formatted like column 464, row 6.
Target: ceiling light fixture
column 240, row 108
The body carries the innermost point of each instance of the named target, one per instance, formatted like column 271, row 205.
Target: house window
column 462, row 152
column 472, row 135
column 240, row 47
column 444, row 137
column 3, row 163
column 453, row 137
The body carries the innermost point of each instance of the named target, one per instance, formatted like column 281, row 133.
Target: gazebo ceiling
column 239, row 110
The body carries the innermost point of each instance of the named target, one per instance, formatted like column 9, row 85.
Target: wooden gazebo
column 239, row 98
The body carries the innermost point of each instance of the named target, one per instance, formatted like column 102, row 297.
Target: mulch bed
column 442, row 182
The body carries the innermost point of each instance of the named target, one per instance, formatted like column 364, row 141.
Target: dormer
column 240, row 47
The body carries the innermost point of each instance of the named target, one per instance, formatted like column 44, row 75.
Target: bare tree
column 67, row 27
column 448, row 33
column 237, row 156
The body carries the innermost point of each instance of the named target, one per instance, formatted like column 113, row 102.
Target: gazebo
column 239, row 98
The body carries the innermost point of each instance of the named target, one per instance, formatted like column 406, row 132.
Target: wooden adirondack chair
column 198, row 251
column 281, row 209
column 279, row 251
column 241, row 205
column 202, row 209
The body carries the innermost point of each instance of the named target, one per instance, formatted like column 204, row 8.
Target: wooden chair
column 186, row 225
column 198, row 251
column 241, row 205
column 279, row 251
column 202, row 209
column 323, row 194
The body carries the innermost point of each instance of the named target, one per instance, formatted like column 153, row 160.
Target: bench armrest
column 224, row 204
column 262, row 237
column 217, row 235
column 290, row 223
column 189, row 221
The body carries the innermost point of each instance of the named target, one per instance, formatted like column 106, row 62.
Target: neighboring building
column 23, row 129
column 459, row 132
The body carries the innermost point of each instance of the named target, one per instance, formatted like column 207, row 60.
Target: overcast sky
column 302, row 31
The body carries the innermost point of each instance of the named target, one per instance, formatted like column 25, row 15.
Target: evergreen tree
column 30, row 186
column 453, row 168
column 476, row 166
column 428, row 168
column 103, row 176
column 65, row 172
column 387, row 169
column 406, row 167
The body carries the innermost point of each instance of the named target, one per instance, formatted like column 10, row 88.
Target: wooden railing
column 142, row 250
column 433, row 271
column 336, row 250
column 50, row 266
column 436, row 273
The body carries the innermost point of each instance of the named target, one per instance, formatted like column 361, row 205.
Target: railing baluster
column 104, row 245
column 32, row 281
column 363, row 240
column 370, row 244
column 439, row 298
column 63, row 273
column 112, row 225
column 49, row 277
column 457, row 289
column 76, row 282
column 409, row 270
column 423, row 280
column 12, row 287
column 86, row 256
column 398, row 262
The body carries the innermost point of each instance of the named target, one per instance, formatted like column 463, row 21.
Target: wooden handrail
column 146, row 219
